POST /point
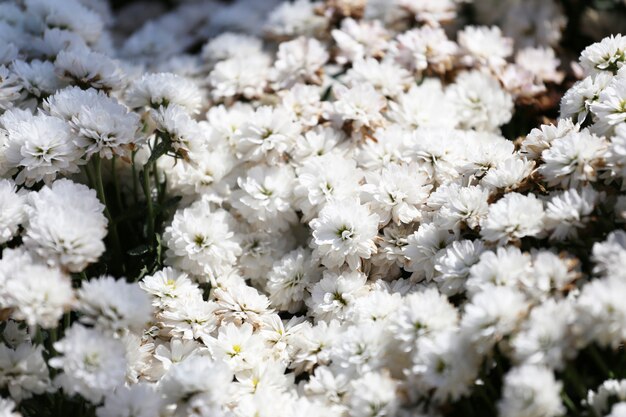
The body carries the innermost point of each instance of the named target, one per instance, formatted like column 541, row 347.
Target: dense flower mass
column 337, row 208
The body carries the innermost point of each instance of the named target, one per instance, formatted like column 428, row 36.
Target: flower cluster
column 350, row 209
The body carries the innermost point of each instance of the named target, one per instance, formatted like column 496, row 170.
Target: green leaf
column 159, row 150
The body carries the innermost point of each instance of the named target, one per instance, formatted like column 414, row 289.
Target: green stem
column 576, row 382
column 135, row 178
column 147, row 189
column 597, row 358
column 116, row 185
column 117, row 251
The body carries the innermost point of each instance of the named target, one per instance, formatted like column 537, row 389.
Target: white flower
column 420, row 48
column 610, row 108
column 92, row 364
column 606, row 55
column 169, row 285
column 267, row 135
column 7, row 408
column 229, row 44
column 265, row 196
column 577, row 101
column 201, row 242
column 343, row 233
column 397, row 193
column 513, row 217
column 289, row 278
column 114, row 304
column 10, row 88
column 566, row 212
column 41, row 147
column 374, row 394
column 87, row 68
column 238, row 347
column 480, row 102
column 246, row 76
column 360, row 105
column 164, row 89
column 186, row 385
column 299, row 60
column 185, row 134
column 66, row 225
column 485, row 45
column 531, row 391
column 357, row 40
column 573, row 159
column 507, row 266
column 140, row 400
column 12, row 210
column 23, row 371
column 386, row 77
column 335, row 294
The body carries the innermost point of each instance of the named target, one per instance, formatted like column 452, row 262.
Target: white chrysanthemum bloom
column 344, row 233
column 358, row 40
column 40, row 146
column 453, row 266
column 541, row 62
column 296, row 18
column 609, row 255
column 374, row 394
column 553, row 272
column 386, row 77
column 362, row 348
column 390, row 146
column 431, row 12
column 422, row 314
column 577, row 101
column 267, row 135
column 545, row 338
column 105, row 127
column 229, row 44
column 240, row 76
column 289, row 279
column 38, row 294
column 322, row 178
column 361, row 105
column 610, row 391
column 601, row 317
column 491, row 315
column 114, row 304
column 87, row 68
column 164, row 89
column 7, row 408
column 573, row 159
column 540, row 139
column 513, row 217
column 531, row 391
column 610, row 108
column 424, row 247
column 607, row 55
column 479, row 101
column 140, row 400
column 241, row 303
column 238, row 347
column 618, row 410
column 424, row 105
column 66, row 225
column 466, row 206
column 507, row 266
column 37, row 77
column 202, row 242
column 377, row 306
column 484, row 45
column 397, row 193
column 509, row 173
column 299, row 60
column 23, row 371
column 420, row 48
column 616, row 155
column 568, row 211
column 186, row 385
column 186, row 135
column 532, row 22
column 12, row 210
column 447, row 363
column 168, row 286
column 10, row 88
column 333, row 296
column 71, row 15
column 260, row 249
column 304, row 102
column 189, row 318
column 265, row 197
column 91, row 363
column 326, row 385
